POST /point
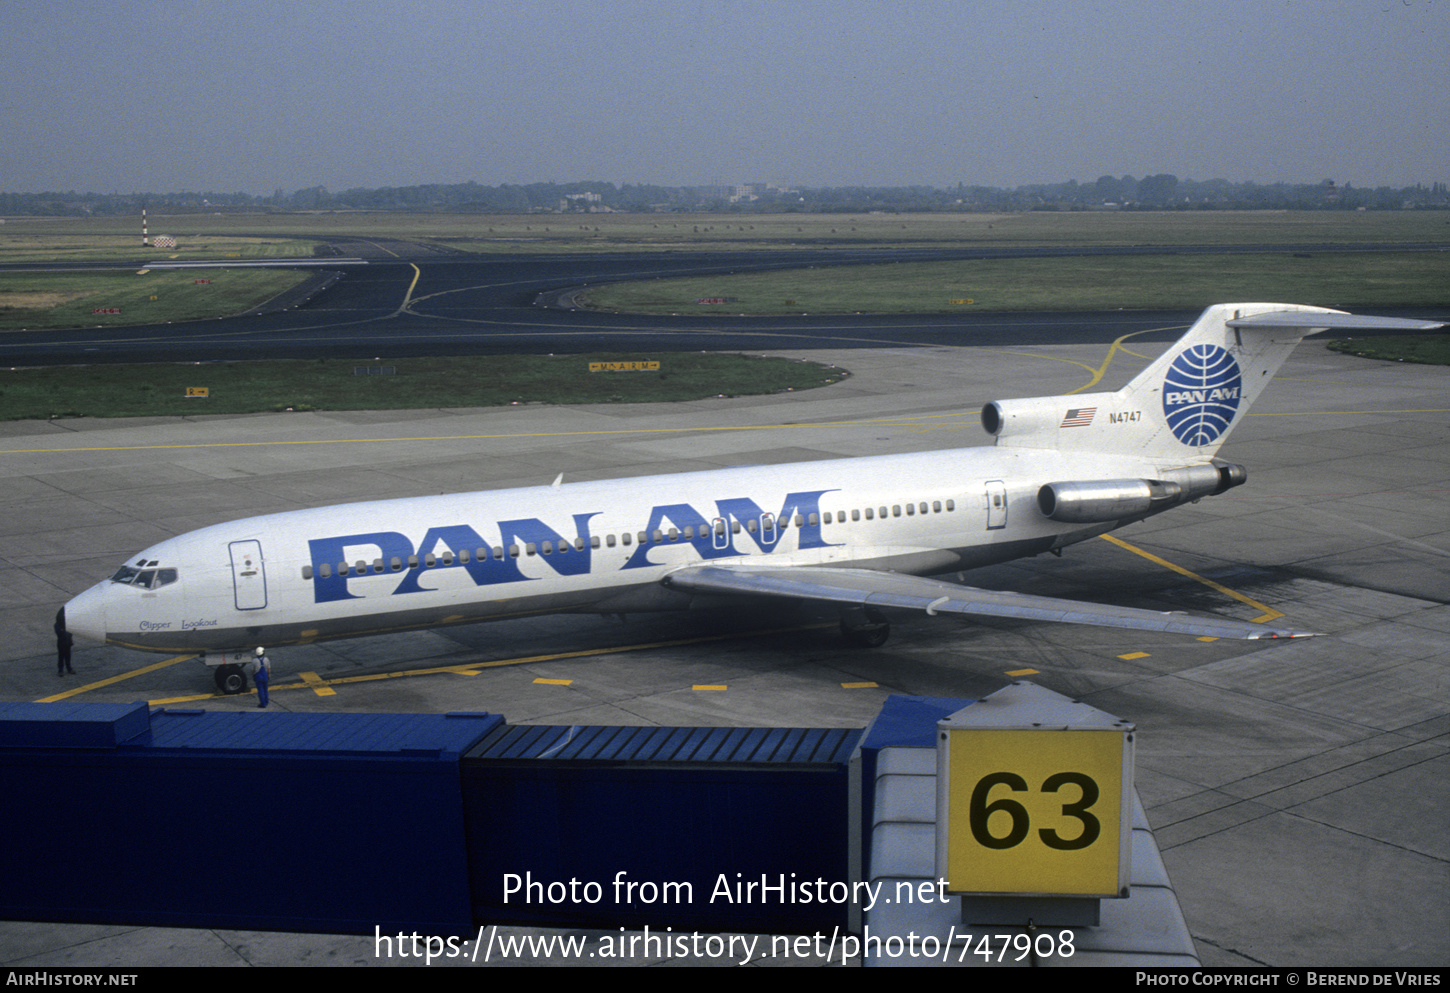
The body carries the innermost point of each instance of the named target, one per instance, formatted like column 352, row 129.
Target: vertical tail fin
column 1188, row 399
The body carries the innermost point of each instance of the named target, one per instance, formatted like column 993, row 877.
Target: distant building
column 750, row 192
column 590, row 203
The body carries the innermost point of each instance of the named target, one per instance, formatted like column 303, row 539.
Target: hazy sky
column 252, row 95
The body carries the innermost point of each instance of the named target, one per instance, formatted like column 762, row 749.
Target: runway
column 1297, row 790
column 407, row 302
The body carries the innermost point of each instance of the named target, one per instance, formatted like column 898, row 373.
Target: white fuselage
column 602, row 546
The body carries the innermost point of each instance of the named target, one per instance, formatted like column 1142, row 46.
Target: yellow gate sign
column 623, row 366
column 1034, row 797
column 198, row 391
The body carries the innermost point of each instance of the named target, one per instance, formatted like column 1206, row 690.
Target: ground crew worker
column 261, row 673
column 63, row 642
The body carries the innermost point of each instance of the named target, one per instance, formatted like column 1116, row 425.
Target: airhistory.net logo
column 1201, row 394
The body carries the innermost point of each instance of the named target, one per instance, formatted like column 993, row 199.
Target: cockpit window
column 147, row 579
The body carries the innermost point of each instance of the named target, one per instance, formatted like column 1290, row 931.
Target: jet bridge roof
column 643, row 745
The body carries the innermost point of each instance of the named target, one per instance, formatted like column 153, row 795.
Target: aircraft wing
column 872, row 588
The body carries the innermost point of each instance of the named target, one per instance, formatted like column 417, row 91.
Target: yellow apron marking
column 1269, row 613
column 715, row 687
column 318, row 684
column 1134, row 655
column 408, row 297
column 858, row 686
column 553, row 682
column 472, row 668
column 1108, row 359
column 115, row 679
column 1014, row 673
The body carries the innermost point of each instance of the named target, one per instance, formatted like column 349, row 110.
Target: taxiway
column 1297, row 790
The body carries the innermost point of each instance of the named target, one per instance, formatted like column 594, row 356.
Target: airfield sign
column 1034, row 797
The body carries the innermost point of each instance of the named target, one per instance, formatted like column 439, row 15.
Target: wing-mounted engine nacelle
column 1101, row 500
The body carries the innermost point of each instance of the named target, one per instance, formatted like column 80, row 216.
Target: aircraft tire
column 230, row 679
column 865, row 628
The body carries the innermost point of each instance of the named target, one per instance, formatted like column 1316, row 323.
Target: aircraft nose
column 85, row 616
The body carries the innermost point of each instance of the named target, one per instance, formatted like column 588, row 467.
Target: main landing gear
column 865, row 627
column 230, row 679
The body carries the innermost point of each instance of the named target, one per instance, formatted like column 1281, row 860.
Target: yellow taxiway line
column 317, row 684
column 1269, row 613
column 115, row 679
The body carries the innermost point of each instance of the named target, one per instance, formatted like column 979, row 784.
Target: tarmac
column 1297, row 791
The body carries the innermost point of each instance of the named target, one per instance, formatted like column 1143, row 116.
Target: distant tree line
column 1161, row 192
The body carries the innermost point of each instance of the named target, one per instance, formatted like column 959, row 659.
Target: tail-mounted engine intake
column 1101, row 500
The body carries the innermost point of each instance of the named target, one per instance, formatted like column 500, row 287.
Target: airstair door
column 249, row 576
column 996, row 505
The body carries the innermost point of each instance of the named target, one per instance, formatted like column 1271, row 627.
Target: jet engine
column 1100, row 500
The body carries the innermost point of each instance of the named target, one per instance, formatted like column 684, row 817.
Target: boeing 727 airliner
column 861, row 532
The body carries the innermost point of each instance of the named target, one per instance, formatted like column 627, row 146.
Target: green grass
column 50, row 241
column 1427, row 349
column 61, row 300
column 543, row 233
column 271, row 234
column 1082, row 283
column 332, row 384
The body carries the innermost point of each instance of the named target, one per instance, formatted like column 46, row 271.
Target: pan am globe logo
column 1201, row 394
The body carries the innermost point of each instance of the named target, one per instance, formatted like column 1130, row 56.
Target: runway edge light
column 1034, row 807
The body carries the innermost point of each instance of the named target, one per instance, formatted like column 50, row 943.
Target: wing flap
column 869, row 587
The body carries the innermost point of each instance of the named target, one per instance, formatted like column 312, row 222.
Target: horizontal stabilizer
column 1328, row 321
column 890, row 589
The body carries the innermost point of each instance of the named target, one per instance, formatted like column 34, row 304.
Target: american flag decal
column 1079, row 418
